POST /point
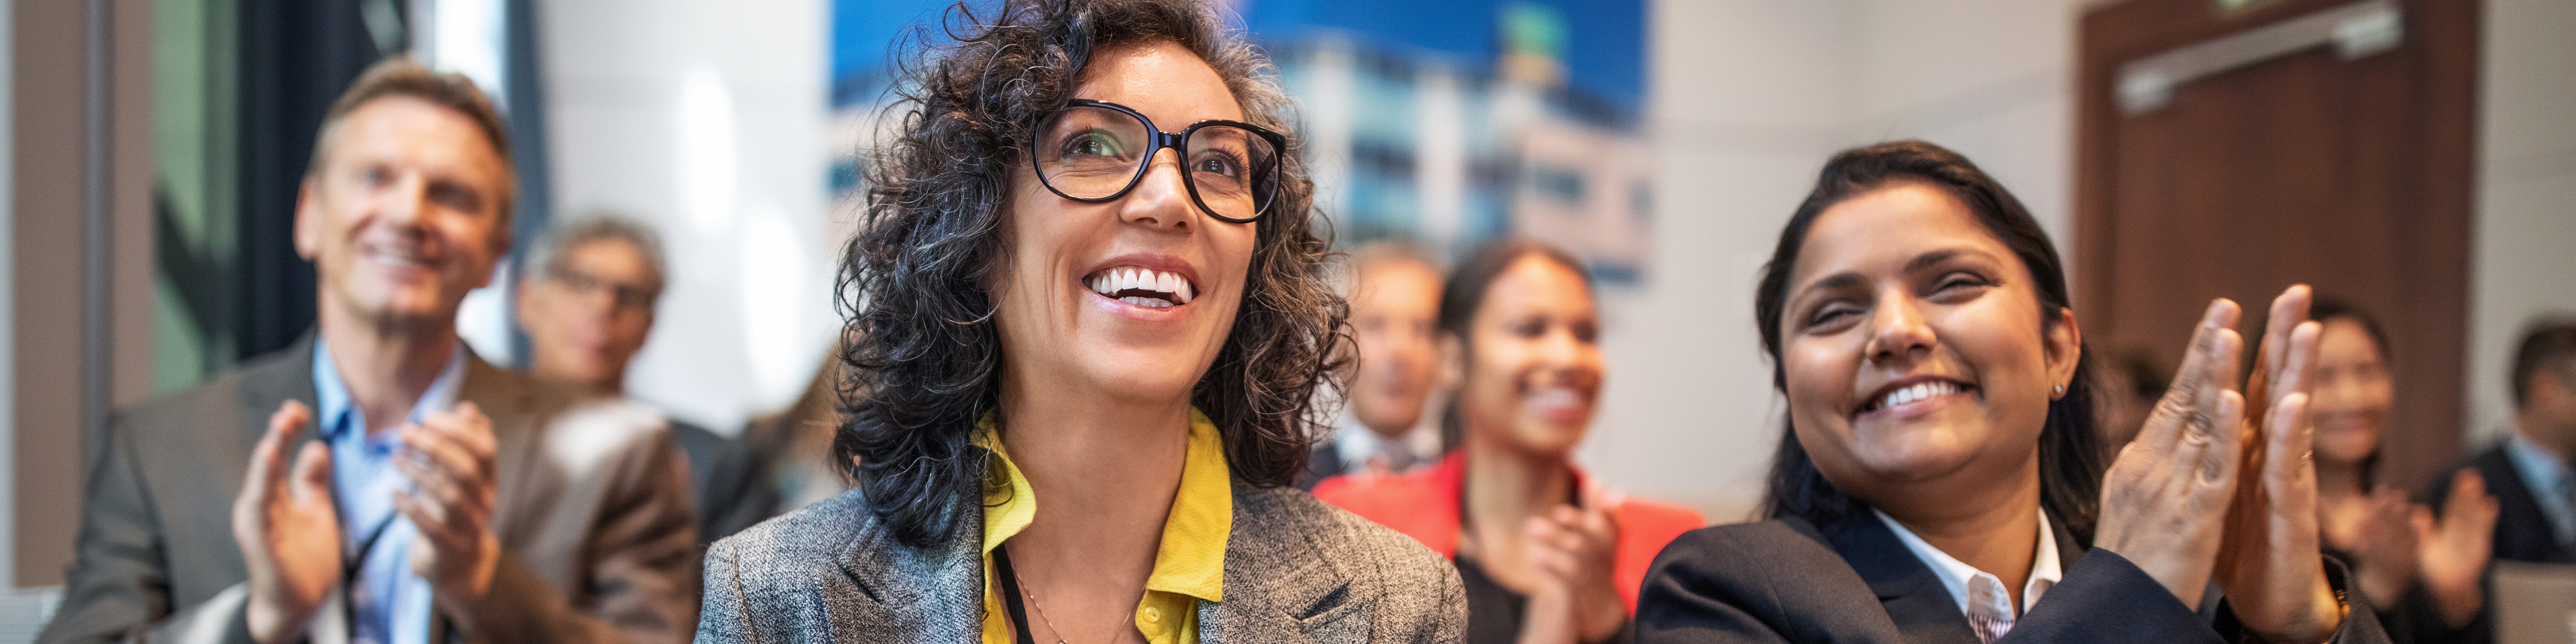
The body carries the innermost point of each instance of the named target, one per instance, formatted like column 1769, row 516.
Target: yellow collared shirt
column 1189, row 567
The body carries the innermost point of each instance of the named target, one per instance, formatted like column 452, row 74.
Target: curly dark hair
column 925, row 359
column 2070, row 456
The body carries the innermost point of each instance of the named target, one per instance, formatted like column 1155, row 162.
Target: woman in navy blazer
column 1939, row 478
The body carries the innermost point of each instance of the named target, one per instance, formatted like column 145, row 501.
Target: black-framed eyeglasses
column 1096, row 151
column 633, row 297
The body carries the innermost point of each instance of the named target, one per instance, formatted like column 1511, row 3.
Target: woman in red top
column 1547, row 555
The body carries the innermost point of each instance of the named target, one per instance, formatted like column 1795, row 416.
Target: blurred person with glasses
column 587, row 309
column 1088, row 322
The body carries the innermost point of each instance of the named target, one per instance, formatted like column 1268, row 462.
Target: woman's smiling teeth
column 1920, row 391
column 1143, row 287
column 1553, row 398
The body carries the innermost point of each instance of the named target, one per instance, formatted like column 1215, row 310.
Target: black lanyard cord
column 1011, row 594
column 352, row 565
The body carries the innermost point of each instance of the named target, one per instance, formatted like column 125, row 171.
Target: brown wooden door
column 2350, row 174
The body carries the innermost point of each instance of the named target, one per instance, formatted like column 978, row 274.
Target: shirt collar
column 2544, row 471
column 1191, row 559
column 1961, row 579
column 1354, row 444
column 331, row 395
column 2543, row 465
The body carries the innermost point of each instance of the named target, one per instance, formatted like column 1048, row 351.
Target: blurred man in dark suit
column 376, row 482
column 2530, row 474
column 1395, row 305
column 587, row 305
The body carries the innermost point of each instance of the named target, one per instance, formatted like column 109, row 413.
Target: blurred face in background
column 403, row 216
column 1131, row 299
column 1395, row 311
column 2548, row 416
column 1533, row 364
column 1914, row 347
column 587, row 317
column 2352, row 394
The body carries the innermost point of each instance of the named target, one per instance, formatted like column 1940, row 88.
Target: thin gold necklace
column 1041, row 606
column 1032, row 594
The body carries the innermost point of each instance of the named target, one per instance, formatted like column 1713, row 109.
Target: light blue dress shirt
column 2545, row 472
column 387, row 603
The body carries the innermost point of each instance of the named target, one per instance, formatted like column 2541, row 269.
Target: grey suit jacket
column 1296, row 570
column 593, row 517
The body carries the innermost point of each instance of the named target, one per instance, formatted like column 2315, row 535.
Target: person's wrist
column 271, row 623
column 1606, row 613
column 2318, row 626
column 2383, row 587
column 2176, row 580
column 473, row 586
column 2458, row 603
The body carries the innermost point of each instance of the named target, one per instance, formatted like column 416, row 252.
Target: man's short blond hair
column 402, row 76
column 1381, row 252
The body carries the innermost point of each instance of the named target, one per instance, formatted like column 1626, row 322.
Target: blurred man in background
column 587, row 308
column 376, row 482
column 2530, row 474
column 1395, row 308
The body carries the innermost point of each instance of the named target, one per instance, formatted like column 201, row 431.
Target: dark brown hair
column 2547, row 343
column 925, row 358
column 1465, row 293
column 2070, row 456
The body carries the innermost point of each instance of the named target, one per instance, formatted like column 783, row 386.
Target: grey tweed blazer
column 1296, row 570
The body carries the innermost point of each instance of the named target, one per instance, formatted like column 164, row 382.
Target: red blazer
column 1424, row 505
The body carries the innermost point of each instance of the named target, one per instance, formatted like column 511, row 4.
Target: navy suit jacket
column 1853, row 582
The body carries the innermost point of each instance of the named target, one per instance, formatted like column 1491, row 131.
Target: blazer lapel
column 1915, row 600
column 287, row 376
column 931, row 594
column 510, row 402
column 1276, row 590
column 1245, row 618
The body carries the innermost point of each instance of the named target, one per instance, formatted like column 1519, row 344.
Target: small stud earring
column 2061, row 390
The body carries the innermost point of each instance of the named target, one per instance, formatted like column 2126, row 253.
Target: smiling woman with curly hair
column 1088, row 318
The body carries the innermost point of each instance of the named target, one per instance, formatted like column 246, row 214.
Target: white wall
column 706, row 119
column 1745, row 99
column 2523, row 252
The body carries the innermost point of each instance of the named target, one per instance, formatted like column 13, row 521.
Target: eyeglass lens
column 1091, row 152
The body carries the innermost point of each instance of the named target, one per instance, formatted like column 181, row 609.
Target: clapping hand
column 2165, row 497
column 1574, row 551
column 450, row 463
column 2456, row 548
column 288, row 530
column 2269, row 564
column 2384, row 548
